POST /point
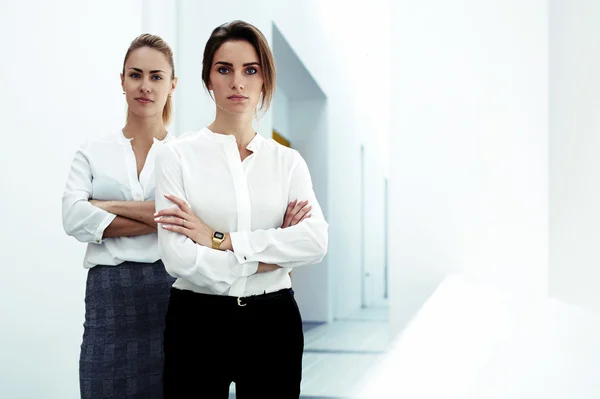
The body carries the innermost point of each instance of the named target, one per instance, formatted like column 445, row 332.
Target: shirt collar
column 124, row 140
column 253, row 145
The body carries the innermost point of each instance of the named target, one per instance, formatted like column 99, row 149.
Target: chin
column 238, row 110
column 143, row 113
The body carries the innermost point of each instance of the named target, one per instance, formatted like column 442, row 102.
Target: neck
column 239, row 126
column 144, row 128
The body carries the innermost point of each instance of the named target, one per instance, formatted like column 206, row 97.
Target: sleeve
column 299, row 245
column 182, row 257
column 81, row 219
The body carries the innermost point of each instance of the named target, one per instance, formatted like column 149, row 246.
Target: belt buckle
column 239, row 302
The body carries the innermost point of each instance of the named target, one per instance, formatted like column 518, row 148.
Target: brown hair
column 156, row 43
column 240, row 30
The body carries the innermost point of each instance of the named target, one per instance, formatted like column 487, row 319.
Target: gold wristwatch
column 218, row 239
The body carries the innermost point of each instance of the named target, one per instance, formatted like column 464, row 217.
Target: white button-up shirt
column 247, row 199
column 106, row 169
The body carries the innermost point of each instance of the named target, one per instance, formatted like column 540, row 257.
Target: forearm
column 303, row 244
column 125, row 227
column 265, row 268
column 140, row 211
column 262, row 267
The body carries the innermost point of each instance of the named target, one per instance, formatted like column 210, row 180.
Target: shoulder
column 282, row 151
column 286, row 157
column 98, row 143
column 176, row 148
column 185, row 139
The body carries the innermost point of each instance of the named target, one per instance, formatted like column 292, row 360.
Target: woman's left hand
column 183, row 221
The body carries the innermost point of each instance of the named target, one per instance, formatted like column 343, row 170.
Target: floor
column 474, row 341
column 338, row 356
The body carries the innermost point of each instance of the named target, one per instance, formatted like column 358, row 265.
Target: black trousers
column 211, row 341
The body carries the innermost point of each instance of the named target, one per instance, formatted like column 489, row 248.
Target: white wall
column 60, row 85
column 280, row 110
column 574, row 152
column 469, row 172
column 374, row 226
column 351, row 55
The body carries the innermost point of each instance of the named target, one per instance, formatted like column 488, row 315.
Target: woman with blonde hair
column 108, row 203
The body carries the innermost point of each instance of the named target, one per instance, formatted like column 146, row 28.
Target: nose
column 145, row 87
column 237, row 82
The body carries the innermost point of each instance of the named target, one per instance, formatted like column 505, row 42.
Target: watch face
column 218, row 235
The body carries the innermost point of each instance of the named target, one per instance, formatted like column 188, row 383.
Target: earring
column 123, row 92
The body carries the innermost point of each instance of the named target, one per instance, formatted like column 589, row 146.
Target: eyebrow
column 231, row 65
column 142, row 71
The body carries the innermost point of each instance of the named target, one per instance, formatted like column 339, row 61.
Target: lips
column 143, row 100
column 237, row 97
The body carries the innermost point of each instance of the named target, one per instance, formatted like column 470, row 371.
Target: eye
column 223, row 70
column 134, row 75
column 251, row 71
column 156, row 77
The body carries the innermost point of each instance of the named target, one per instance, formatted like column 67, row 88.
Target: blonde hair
column 157, row 43
column 240, row 30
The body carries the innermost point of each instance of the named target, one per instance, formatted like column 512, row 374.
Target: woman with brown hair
column 108, row 203
column 222, row 195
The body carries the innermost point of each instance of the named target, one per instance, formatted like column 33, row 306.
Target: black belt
column 284, row 293
column 241, row 301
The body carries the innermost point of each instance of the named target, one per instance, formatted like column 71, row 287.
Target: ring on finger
column 183, row 222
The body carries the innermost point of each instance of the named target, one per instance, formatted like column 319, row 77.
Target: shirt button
column 245, row 258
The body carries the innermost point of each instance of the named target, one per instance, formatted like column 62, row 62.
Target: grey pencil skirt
column 122, row 350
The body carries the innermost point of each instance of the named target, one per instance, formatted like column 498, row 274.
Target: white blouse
column 247, row 199
column 105, row 169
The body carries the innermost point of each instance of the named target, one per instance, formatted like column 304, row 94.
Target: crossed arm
column 133, row 217
column 138, row 217
column 182, row 220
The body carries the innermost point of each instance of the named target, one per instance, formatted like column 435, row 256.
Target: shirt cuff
column 241, row 246
column 102, row 226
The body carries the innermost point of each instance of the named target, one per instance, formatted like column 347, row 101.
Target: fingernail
column 155, row 213
column 156, row 219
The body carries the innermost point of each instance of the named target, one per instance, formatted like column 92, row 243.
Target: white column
column 575, row 152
